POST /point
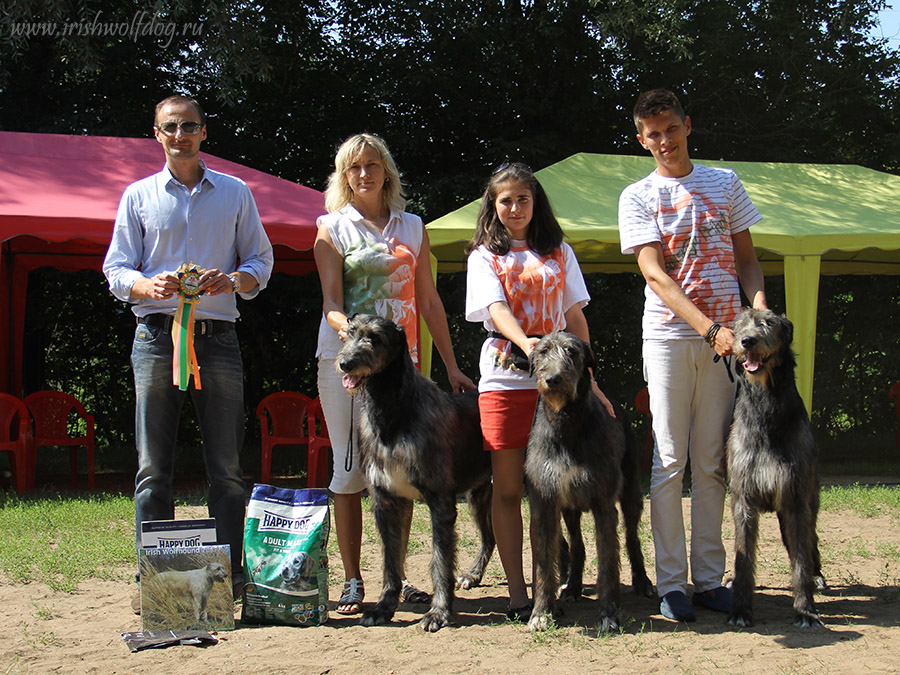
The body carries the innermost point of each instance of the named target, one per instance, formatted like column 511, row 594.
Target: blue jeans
column 220, row 411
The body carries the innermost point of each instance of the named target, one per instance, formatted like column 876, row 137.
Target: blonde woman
column 373, row 258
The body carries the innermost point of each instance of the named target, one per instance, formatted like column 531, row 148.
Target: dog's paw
column 434, row 620
column 642, row 585
column 540, row 622
column 467, row 581
column 608, row 624
column 807, row 620
column 571, row 592
column 821, row 584
column 374, row 617
column 742, row 619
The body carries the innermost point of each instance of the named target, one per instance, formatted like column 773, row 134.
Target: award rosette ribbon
column 184, row 361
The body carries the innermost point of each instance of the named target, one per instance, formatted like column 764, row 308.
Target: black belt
column 201, row 326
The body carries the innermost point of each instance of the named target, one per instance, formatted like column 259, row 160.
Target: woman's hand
column 459, row 382
column 605, row 401
column 342, row 331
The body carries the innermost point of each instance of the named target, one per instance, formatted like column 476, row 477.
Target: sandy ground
column 47, row 632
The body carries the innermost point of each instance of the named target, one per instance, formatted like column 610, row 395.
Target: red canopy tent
column 58, row 201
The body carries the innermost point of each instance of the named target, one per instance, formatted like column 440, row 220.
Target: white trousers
column 691, row 400
column 336, row 407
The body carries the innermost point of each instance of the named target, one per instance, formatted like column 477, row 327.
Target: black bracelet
column 711, row 335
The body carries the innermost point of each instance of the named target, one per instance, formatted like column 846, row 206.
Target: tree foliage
column 456, row 87
column 767, row 80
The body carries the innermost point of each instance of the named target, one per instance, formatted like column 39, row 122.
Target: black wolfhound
column 579, row 459
column 415, row 442
column 772, row 463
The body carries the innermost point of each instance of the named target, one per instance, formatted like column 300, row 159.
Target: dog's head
column 372, row 343
column 216, row 571
column 561, row 363
column 297, row 569
column 762, row 340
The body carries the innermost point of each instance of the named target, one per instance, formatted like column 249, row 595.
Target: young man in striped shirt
column 688, row 226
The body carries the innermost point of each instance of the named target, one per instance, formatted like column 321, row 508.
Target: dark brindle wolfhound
column 772, row 463
column 578, row 459
column 415, row 442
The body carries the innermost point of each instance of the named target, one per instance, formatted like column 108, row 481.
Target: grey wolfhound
column 579, row 458
column 772, row 463
column 415, row 442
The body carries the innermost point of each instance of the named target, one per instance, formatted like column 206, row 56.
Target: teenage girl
column 523, row 282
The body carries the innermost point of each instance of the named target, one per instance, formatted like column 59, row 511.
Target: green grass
column 63, row 540
column 866, row 501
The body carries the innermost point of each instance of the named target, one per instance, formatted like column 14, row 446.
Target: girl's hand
column 605, row 401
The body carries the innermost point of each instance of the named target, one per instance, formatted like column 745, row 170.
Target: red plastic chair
column 319, row 444
column 281, row 420
column 642, row 403
column 895, row 397
column 15, row 438
column 50, row 411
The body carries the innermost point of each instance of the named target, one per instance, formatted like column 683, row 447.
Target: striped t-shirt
column 693, row 218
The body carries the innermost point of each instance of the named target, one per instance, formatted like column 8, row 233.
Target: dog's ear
column 590, row 361
column 399, row 345
column 787, row 328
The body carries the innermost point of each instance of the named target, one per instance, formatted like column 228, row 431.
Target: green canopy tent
column 817, row 219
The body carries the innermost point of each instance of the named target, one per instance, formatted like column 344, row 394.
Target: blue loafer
column 718, row 599
column 675, row 606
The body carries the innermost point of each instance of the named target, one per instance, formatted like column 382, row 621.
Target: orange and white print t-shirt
column 693, row 218
column 538, row 289
column 379, row 272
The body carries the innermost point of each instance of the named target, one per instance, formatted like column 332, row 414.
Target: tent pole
column 425, row 339
column 801, row 289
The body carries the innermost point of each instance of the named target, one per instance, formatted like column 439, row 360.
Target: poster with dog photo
column 186, row 588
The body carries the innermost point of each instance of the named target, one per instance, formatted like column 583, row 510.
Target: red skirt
column 506, row 417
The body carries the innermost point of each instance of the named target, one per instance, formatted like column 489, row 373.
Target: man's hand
column 215, row 282
column 159, row 287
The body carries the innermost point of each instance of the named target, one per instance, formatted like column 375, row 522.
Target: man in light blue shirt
column 188, row 214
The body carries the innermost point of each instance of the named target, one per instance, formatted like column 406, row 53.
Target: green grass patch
column 63, row 540
column 865, row 500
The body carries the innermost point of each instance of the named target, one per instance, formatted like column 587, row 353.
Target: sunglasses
column 511, row 165
column 171, row 128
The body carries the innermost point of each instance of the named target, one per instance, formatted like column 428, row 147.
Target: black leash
column 727, row 361
column 516, row 355
column 711, row 341
column 348, row 460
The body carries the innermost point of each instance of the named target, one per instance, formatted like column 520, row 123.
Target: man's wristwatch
column 235, row 283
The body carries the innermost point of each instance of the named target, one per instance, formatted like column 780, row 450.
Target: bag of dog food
column 285, row 558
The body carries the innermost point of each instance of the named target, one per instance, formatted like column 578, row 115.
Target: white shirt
column 539, row 291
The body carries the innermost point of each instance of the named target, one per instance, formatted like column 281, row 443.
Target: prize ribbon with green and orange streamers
column 184, row 359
